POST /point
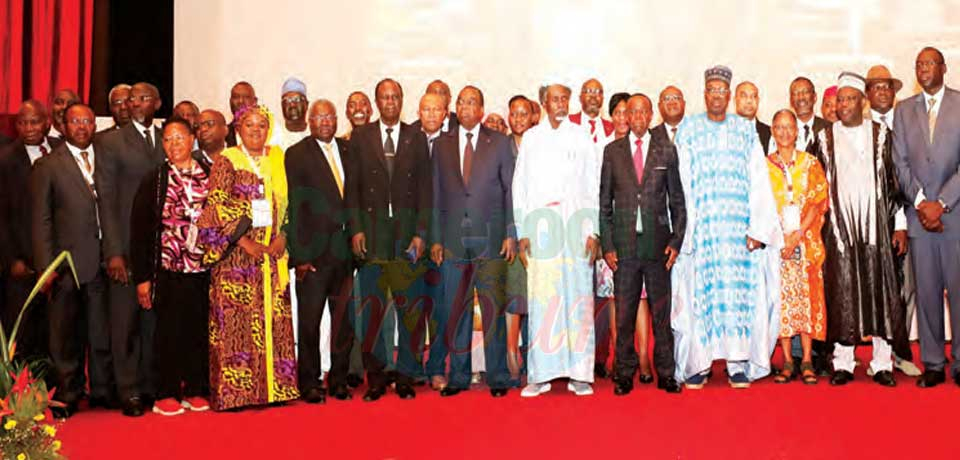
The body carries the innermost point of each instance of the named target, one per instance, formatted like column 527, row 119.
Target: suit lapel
column 923, row 120
column 480, row 153
column 377, row 141
column 73, row 170
column 628, row 158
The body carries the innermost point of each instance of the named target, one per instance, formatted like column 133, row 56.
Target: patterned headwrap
column 262, row 110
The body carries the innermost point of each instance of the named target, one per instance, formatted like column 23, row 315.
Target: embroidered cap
column 851, row 80
column 719, row 72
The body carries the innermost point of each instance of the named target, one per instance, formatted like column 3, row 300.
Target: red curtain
column 11, row 55
column 61, row 47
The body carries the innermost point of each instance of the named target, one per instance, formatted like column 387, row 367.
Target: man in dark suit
column 747, row 98
column 64, row 217
column 388, row 201
column 58, row 104
column 319, row 249
column 642, row 221
column 926, row 152
column 241, row 95
column 117, row 99
column 803, row 100
column 127, row 155
column 672, row 107
column 473, row 238
column 16, row 236
column 450, row 120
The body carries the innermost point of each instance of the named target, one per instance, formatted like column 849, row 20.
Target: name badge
column 791, row 218
column 262, row 215
column 192, row 237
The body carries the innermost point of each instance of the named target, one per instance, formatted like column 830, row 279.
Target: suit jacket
column 607, row 124
column 317, row 230
column 476, row 214
column 231, row 139
column 125, row 157
column 64, row 212
column 621, row 196
column 4, row 140
column 371, row 196
column 934, row 167
column 763, row 131
column 814, row 146
column 661, row 131
column 16, row 234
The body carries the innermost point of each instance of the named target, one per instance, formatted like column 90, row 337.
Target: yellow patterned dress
column 252, row 359
column 802, row 302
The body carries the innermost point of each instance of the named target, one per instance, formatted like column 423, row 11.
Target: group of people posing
column 207, row 252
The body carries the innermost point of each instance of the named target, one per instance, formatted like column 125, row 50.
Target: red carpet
column 767, row 421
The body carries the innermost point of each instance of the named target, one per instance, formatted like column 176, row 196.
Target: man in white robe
column 556, row 196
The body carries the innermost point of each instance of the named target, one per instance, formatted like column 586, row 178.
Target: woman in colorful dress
column 800, row 188
column 242, row 229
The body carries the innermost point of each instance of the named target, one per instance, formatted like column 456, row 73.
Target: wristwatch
column 945, row 207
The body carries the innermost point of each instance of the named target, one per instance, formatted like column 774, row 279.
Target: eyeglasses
column 172, row 139
column 82, row 121
column 717, row 91
column 117, row 101
column 293, row 99
column 207, row 124
column 592, row 91
column 844, row 99
column 880, row 87
column 927, row 64
column 141, row 98
column 672, row 98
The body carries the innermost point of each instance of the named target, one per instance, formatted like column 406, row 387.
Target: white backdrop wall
column 511, row 46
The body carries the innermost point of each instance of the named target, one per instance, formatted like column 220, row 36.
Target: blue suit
column 932, row 168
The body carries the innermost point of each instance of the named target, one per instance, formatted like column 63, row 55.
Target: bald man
column 242, row 95
column 440, row 88
column 16, row 235
column 747, row 99
column 672, row 107
column 589, row 117
column 211, row 136
column 317, row 168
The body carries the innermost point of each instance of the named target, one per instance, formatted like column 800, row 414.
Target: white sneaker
column 535, row 389
column 580, row 388
column 907, row 367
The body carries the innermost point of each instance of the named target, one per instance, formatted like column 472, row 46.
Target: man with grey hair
column 557, row 180
column 117, row 100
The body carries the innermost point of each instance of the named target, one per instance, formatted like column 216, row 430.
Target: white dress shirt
column 883, row 118
column 395, row 135
column 802, row 139
column 33, row 151
column 463, row 142
column 430, row 139
column 335, row 152
column 644, row 143
column 599, row 135
column 143, row 130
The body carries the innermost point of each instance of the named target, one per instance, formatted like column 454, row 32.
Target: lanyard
column 87, row 175
column 788, row 175
column 255, row 167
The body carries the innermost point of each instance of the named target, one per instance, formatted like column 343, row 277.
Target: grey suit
column 124, row 160
column 64, row 218
column 934, row 169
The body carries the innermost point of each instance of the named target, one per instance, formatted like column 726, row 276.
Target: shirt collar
column 332, row 143
column 446, row 123
column 75, row 151
column 938, row 95
column 141, row 128
column 645, row 140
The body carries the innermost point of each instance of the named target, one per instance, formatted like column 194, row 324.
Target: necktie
column 328, row 152
column 593, row 130
column 883, row 119
column 932, row 116
column 146, row 134
column 43, row 150
column 673, row 133
column 389, row 152
column 638, row 160
column 86, row 162
column 430, row 145
column 806, row 135
column 467, row 159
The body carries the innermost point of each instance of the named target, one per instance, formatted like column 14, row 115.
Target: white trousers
column 843, row 358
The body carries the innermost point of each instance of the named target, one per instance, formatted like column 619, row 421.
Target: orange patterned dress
column 252, row 359
column 803, row 308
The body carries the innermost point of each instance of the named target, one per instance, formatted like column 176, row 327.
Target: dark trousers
column 936, row 263
column 124, row 329
column 32, row 337
column 628, row 282
column 181, row 342
column 76, row 317
column 376, row 280
column 601, row 327
column 330, row 283
column 454, row 319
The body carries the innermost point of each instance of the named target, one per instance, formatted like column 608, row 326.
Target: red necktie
column 638, row 160
column 593, row 129
column 43, row 150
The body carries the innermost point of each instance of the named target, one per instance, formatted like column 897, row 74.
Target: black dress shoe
column 646, row 379
column 885, row 378
column 841, row 378
column 103, row 402
column 669, row 385
column 341, row 392
column 315, row 395
column 66, row 411
column 373, row 394
column 498, row 392
column 600, row 371
column 622, row 388
column 930, row 379
column 956, row 378
column 449, row 391
column 405, row 391
column 132, row 407
column 354, row 381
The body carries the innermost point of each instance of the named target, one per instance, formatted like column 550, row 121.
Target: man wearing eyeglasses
column 117, row 98
column 591, row 101
column 672, row 107
column 126, row 156
column 293, row 105
column 726, row 279
column 211, row 136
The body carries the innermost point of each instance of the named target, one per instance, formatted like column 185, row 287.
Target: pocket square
column 660, row 168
